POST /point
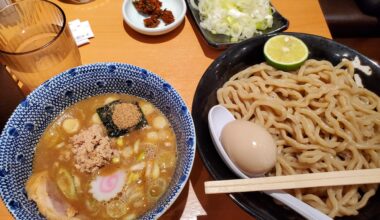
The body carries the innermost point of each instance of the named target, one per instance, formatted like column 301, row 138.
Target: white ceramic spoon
column 218, row 117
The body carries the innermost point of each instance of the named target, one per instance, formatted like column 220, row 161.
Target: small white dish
column 136, row 20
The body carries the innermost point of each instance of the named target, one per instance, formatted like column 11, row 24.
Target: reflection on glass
column 35, row 41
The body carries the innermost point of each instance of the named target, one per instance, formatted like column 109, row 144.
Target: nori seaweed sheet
column 105, row 114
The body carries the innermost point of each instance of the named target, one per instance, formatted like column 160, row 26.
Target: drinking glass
column 35, row 41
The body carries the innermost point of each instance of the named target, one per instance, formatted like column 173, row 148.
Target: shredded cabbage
column 240, row 19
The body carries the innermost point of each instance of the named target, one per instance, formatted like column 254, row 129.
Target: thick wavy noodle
column 321, row 120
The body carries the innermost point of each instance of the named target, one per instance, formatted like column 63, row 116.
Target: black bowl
column 237, row 58
column 221, row 41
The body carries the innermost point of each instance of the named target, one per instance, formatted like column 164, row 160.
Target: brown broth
column 141, row 190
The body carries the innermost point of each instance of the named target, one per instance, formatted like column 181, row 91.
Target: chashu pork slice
column 50, row 202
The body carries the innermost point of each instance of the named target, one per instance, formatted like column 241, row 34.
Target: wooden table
column 180, row 57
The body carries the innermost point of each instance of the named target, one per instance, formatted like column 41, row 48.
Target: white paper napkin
column 193, row 207
column 81, row 31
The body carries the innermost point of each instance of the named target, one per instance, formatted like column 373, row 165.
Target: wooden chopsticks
column 336, row 178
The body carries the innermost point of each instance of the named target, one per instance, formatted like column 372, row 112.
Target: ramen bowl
column 33, row 115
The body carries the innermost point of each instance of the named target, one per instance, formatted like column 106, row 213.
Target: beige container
column 35, row 41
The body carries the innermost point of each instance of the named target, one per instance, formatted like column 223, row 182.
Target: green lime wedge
column 285, row 52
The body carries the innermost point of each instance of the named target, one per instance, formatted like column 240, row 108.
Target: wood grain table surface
column 180, row 57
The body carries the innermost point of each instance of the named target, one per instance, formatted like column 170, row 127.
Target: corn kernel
column 120, row 141
column 116, row 160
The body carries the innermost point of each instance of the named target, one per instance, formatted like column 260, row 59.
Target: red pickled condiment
column 153, row 8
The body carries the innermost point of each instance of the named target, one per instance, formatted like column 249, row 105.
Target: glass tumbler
column 35, row 41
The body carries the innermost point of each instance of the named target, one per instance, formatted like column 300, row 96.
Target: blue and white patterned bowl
column 31, row 117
